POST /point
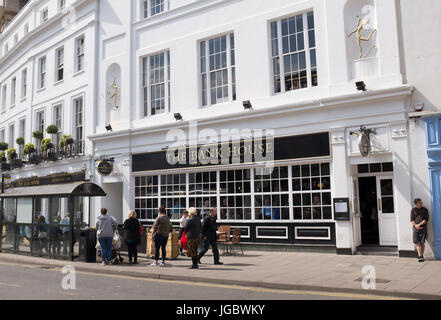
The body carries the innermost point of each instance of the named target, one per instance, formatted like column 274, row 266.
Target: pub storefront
column 287, row 203
column 44, row 216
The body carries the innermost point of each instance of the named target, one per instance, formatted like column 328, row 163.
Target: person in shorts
column 419, row 217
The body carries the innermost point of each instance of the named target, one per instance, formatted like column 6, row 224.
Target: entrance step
column 377, row 251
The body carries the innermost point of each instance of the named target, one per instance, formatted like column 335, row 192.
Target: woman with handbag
column 160, row 235
column 42, row 234
column 132, row 236
column 182, row 224
column 193, row 231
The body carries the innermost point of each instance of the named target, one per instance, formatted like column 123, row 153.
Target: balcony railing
column 73, row 150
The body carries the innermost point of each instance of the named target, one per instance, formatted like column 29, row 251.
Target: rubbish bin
column 87, row 244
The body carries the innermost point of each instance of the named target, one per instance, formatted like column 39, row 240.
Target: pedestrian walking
column 42, row 234
column 419, row 216
column 132, row 236
column 209, row 236
column 193, row 231
column 65, row 231
column 182, row 224
column 105, row 226
column 160, row 235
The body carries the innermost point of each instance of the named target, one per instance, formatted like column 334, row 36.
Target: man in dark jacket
column 209, row 236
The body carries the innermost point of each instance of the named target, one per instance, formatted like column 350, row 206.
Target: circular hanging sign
column 364, row 143
column 105, row 168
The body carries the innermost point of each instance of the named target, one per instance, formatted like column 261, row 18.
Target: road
column 29, row 282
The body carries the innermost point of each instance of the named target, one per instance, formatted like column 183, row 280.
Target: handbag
column 184, row 241
column 156, row 233
column 42, row 235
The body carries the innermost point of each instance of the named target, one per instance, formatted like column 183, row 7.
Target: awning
column 76, row 189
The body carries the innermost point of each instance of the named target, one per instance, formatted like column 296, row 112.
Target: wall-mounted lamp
column 361, row 86
column 178, row 116
column 109, row 128
column 247, row 105
column 418, row 107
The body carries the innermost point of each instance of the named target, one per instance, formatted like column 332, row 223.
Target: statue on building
column 359, row 37
column 115, row 93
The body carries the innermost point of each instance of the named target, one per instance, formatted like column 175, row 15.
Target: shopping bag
column 184, row 241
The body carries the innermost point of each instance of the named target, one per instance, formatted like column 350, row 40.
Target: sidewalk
column 398, row 277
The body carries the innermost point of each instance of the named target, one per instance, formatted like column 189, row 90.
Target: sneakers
column 162, row 264
column 103, row 263
column 219, row 263
column 421, row 259
column 154, row 264
column 194, row 267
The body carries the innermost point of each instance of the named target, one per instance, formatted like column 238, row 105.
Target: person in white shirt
column 182, row 224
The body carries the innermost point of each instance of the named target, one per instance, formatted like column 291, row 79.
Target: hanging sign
column 105, row 168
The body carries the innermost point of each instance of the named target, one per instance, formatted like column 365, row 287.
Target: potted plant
column 65, row 143
column 3, row 164
column 47, row 147
column 29, row 150
column 52, row 129
column 12, row 154
column 38, row 135
column 3, row 146
column 20, row 142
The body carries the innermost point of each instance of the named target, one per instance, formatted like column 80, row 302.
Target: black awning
column 76, row 189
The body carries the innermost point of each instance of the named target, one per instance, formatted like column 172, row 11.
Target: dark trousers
column 160, row 243
column 194, row 260
column 133, row 251
column 205, row 246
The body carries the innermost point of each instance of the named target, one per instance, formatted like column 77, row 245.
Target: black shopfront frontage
column 46, row 216
column 284, row 200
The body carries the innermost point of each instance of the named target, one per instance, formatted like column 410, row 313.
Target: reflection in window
column 294, row 53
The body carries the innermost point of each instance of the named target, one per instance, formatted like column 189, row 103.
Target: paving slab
column 297, row 270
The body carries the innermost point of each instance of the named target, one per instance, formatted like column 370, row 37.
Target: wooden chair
column 225, row 237
column 235, row 241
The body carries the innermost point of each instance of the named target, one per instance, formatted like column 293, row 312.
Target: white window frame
column 15, row 38
column 40, row 121
column 231, row 70
column 22, row 134
column 26, row 28
column 60, row 118
column 12, row 135
column 146, row 8
column 79, row 55
column 2, row 135
column 13, row 91
column 4, row 97
column 59, row 66
column 146, row 84
column 61, row 5
column 74, row 122
column 281, row 55
column 24, row 85
column 42, row 72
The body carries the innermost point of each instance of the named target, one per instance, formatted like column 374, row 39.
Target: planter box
column 172, row 245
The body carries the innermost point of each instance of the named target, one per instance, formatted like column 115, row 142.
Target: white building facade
column 155, row 70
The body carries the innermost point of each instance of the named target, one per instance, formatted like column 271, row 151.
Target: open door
column 387, row 217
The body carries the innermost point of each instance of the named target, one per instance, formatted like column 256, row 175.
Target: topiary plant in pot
column 3, row 146
column 12, row 154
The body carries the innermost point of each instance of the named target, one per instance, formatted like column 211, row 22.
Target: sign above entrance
column 364, row 140
column 237, row 152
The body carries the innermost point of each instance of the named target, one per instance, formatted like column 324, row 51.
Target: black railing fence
column 52, row 154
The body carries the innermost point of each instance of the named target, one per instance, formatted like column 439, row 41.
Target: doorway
column 370, row 232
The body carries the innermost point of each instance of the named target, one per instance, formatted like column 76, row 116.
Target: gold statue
column 360, row 26
column 115, row 93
